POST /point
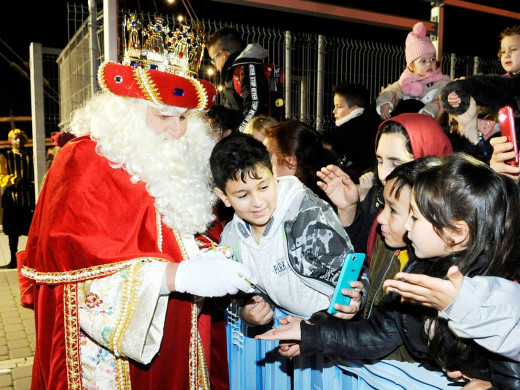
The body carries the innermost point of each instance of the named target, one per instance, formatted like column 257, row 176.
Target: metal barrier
column 256, row 365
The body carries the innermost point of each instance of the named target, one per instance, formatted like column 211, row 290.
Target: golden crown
column 178, row 50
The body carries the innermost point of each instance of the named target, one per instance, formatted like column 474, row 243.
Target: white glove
column 211, row 274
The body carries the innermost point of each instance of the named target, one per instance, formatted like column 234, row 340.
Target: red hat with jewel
column 160, row 65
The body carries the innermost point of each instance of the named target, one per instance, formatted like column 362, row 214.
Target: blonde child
column 421, row 80
column 258, row 125
column 509, row 52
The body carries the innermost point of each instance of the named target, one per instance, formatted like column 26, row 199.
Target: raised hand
column 341, row 190
column 426, row 290
column 366, row 181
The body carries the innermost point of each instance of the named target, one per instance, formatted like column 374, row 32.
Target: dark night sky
column 46, row 22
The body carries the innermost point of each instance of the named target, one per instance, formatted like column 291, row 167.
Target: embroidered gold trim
column 202, row 96
column 101, row 77
column 203, row 373
column 128, row 303
column 199, row 375
column 83, row 274
column 71, row 329
column 147, row 85
column 198, row 369
column 159, row 230
column 123, row 374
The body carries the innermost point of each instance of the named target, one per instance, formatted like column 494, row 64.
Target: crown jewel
column 178, row 50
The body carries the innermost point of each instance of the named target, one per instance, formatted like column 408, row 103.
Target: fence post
column 287, row 75
column 110, row 29
column 93, row 46
column 320, row 83
column 476, row 64
column 38, row 116
column 453, row 60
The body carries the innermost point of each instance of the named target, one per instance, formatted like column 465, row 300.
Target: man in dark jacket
column 241, row 68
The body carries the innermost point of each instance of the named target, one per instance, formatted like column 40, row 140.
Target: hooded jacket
column 254, row 97
column 426, row 138
column 299, row 257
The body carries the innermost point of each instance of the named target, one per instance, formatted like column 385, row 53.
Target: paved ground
column 17, row 335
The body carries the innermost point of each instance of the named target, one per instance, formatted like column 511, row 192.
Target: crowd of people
column 164, row 207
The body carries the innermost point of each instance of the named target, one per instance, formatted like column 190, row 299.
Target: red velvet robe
column 91, row 217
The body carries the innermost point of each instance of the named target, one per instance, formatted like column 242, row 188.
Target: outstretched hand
column 426, row 290
column 289, row 330
column 210, row 274
column 288, row 333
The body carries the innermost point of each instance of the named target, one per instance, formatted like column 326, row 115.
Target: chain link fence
column 312, row 63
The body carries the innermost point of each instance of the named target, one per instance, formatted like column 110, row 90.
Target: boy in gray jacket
column 292, row 241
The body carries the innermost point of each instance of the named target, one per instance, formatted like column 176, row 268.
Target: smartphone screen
column 507, row 128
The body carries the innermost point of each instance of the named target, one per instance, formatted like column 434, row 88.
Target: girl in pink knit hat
column 422, row 80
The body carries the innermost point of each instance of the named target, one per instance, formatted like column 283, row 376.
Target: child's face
column 425, row 65
column 391, row 152
column 253, row 200
column 510, row 53
column 426, row 242
column 341, row 107
column 394, row 215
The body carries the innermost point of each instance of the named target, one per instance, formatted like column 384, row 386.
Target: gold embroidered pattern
column 147, row 85
column 123, row 374
column 101, row 78
column 198, row 375
column 201, row 93
column 159, row 230
column 83, row 274
column 71, row 329
column 129, row 299
column 93, row 300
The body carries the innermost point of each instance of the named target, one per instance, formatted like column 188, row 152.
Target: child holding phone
column 292, row 240
column 390, row 252
column 462, row 213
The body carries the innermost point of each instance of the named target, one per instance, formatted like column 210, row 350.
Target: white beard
column 177, row 175
column 176, row 172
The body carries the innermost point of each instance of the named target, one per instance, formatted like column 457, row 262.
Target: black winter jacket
column 253, row 99
column 393, row 324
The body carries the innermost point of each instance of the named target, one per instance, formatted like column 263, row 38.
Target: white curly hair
column 176, row 172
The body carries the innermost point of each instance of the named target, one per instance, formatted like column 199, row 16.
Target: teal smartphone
column 349, row 273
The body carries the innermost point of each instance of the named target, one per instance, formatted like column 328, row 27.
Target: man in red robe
column 112, row 254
